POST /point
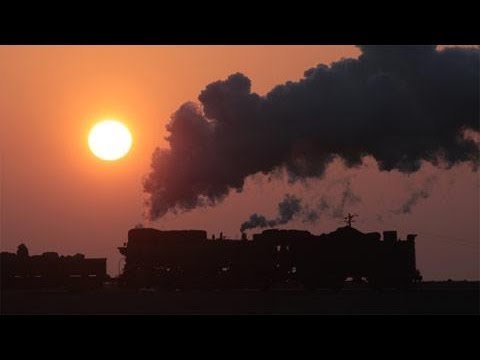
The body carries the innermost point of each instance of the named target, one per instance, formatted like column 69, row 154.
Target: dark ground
column 430, row 298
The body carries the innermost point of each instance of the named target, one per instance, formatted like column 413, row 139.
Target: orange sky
column 58, row 197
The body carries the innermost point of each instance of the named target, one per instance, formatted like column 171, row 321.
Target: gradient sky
column 57, row 196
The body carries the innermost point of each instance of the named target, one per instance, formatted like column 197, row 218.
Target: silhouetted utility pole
column 349, row 219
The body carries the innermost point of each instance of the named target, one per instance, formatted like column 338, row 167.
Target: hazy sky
column 57, row 196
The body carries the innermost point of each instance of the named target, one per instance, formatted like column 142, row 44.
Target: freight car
column 50, row 270
column 188, row 259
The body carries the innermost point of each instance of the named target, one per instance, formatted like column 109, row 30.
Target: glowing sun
column 109, row 140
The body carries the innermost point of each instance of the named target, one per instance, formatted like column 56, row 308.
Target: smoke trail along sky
column 399, row 104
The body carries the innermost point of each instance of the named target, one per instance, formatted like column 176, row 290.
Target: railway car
column 50, row 270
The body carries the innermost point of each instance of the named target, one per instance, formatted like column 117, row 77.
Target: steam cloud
column 287, row 209
column 348, row 197
column 292, row 207
column 417, row 195
column 399, row 104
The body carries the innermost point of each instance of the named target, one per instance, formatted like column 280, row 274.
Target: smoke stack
column 390, row 236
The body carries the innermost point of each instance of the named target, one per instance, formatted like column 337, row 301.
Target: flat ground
column 429, row 298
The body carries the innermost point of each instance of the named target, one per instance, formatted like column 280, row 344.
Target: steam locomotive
column 188, row 259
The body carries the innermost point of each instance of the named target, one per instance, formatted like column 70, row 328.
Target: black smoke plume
column 293, row 207
column 287, row 209
column 334, row 208
column 399, row 104
column 416, row 196
column 347, row 197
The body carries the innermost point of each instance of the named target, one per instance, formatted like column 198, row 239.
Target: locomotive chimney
column 390, row 236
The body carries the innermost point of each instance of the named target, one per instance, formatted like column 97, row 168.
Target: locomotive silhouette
column 188, row 259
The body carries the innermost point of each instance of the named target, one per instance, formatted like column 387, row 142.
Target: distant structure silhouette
column 188, row 259
column 349, row 219
column 49, row 270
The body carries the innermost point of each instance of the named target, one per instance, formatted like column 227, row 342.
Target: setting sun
column 110, row 140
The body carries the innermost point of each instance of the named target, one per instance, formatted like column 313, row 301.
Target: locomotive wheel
column 266, row 286
column 404, row 285
column 337, row 285
column 310, row 285
column 375, row 284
